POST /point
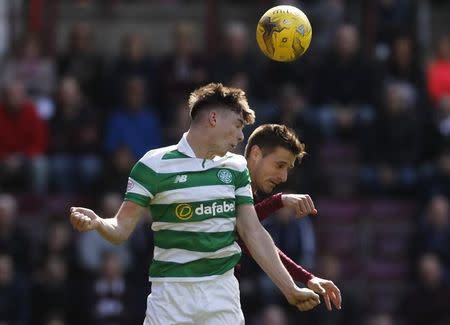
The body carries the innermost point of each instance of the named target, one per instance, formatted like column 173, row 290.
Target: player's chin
column 269, row 187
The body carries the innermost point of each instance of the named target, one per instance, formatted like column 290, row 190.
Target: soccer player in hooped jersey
column 184, row 185
column 271, row 151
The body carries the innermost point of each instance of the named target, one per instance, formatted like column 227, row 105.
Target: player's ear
column 256, row 152
column 212, row 118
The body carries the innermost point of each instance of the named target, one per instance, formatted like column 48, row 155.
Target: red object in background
column 23, row 132
column 439, row 79
column 36, row 15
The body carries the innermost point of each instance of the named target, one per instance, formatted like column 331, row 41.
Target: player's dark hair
column 215, row 94
column 270, row 136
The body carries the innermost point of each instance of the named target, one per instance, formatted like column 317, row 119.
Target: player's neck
column 199, row 144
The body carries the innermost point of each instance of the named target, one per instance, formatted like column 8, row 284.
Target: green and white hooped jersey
column 193, row 204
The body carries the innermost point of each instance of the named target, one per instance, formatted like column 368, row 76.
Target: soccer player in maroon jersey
column 271, row 152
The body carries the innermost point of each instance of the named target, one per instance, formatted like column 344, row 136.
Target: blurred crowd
column 376, row 124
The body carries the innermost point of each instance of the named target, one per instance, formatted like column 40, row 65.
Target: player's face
column 272, row 169
column 228, row 131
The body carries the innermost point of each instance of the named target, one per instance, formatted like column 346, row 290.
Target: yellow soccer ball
column 283, row 33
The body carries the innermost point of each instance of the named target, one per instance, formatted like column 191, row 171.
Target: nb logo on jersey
column 181, row 179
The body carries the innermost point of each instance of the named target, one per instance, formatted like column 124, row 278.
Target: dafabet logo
column 184, row 211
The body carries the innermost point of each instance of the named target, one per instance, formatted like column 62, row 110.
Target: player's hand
column 304, row 299
column 301, row 203
column 328, row 290
column 83, row 219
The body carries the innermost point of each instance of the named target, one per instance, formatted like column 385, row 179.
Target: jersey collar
column 184, row 147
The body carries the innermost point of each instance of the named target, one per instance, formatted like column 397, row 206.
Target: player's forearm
column 118, row 229
column 263, row 250
column 297, row 272
column 112, row 231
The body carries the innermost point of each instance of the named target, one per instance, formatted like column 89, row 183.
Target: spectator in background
column 331, row 267
column 393, row 148
column 116, row 171
column 91, row 246
column 81, row 61
column 55, row 319
column 438, row 71
column 433, row 233
column 438, row 179
column 110, row 299
column 180, row 71
column 14, row 298
column 13, row 239
column 427, row 302
column 52, row 293
column 35, row 71
column 347, row 86
column 132, row 62
column 392, row 17
column 23, row 142
column 75, row 141
column 59, row 242
column 443, row 121
column 271, row 75
column 135, row 125
column 180, row 121
column 403, row 65
column 326, row 16
column 274, row 315
column 380, row 319
column 235, row 56
column 292, row 110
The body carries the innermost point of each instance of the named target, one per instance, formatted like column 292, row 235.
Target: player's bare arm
column 263, row 250
column 117, row 229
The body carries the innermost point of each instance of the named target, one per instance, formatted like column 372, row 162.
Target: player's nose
column 240, row 136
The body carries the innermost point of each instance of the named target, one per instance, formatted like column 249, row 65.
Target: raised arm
column 115, row 230
column 263, row 250
column 302, row 204
column 269, row 206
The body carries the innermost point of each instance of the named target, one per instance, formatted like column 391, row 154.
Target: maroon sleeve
column 296, row 271
column 268, row 206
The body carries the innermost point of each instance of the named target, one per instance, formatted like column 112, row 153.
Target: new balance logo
column 181, row 179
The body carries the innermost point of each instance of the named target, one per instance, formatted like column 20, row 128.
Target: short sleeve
column 141, row 187
column 243, row 190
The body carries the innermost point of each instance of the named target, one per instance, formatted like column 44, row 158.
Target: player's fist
column 83, row 219
column 304, row 299
column 301, row 203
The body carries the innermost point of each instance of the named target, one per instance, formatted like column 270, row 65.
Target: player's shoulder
column 235, row 161
column 154, row 157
